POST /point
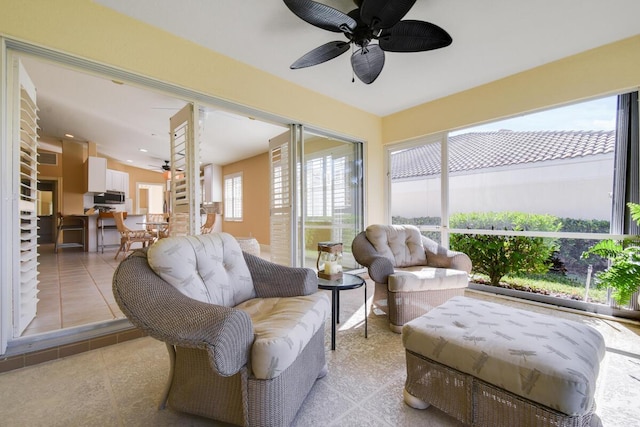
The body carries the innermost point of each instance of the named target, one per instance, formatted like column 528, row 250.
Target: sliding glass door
column 331, row 187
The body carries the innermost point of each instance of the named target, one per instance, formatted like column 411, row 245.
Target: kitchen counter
column 111, row 235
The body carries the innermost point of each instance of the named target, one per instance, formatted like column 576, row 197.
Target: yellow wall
column 601, row 71
column 74, row 155
column 255, row 199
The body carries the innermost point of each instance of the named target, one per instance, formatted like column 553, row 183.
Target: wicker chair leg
column 172, row 366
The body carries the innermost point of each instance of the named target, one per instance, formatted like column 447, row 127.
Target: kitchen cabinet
column 96, row 172
column 212, row 184
column 118, row 181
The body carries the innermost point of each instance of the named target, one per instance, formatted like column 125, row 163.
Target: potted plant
column 623, row 273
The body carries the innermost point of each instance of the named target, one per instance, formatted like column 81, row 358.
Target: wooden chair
column 128, row 236
column 207, row 227
column 158, row 224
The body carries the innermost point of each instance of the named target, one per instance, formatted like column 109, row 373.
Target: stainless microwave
column 109, row 197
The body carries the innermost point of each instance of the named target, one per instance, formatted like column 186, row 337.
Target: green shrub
column 497, row 256
column 624, row 271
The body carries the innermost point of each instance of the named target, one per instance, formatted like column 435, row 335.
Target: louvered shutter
column 185, row 207
column 281, row 199
column 26, row 296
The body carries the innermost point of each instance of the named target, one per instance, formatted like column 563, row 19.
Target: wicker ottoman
column 491, row 365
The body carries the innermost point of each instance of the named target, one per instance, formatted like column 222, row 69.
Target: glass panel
column 331, row 195
column 530, row 165
column 551, row 172
column 416, row 187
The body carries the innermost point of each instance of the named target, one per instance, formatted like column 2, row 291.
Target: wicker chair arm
column 460, row 261
column 164, row 313
column 362, row 250
column 275, row 280
column 439, row 256
column 380, row 269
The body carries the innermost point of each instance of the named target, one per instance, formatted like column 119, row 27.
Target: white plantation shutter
column 233, row 197
column 26, row 294
column 185, row 206
column 281, row 199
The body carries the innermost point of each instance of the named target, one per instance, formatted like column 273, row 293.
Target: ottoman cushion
column 547, row 360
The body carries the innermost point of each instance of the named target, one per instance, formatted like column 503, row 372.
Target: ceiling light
column 144, row 150
column 68, row 135
column 129, row 161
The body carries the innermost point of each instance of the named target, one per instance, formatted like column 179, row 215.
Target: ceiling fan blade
column 367, row 63
column 322, row 16
column 321, row 54
column 414, row 36
column 381, row 14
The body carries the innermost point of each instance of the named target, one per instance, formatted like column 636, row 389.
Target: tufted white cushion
column 421, row 278
column 550, row 361
column 283, row 327
column 401, row 244
column 209, row 268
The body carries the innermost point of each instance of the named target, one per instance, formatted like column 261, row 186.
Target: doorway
column 150, row 198
column 46, row 208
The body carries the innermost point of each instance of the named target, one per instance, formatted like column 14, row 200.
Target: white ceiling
column 491, row 39
column 122, row 119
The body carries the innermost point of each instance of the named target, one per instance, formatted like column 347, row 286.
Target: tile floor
column 75, row 289
column 120, row 385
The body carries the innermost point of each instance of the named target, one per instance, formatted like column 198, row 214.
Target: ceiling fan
column 372, row 20
column 166, row 167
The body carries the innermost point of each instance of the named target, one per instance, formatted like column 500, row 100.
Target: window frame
column 233, row 203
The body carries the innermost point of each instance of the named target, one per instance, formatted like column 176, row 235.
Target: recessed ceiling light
column 144, row 150
column 68, row 135
column 129, row 161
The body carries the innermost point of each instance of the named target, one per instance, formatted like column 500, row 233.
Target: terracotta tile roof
column 478, row 150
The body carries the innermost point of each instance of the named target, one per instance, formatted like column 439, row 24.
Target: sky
column 599, row 114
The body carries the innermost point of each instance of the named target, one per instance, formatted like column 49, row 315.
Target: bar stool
column 71, row 223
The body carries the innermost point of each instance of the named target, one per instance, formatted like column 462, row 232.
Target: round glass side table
column 347, row 281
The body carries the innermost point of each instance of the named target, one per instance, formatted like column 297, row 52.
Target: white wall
column 573, row 188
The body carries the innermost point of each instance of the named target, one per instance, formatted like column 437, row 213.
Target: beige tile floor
column 120, row 385
column 75, row 289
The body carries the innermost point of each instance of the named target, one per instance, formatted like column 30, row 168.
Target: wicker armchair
column 230, row 359
column 128, row 236
column 158, row 224
column 208, row 225
column 412, row 273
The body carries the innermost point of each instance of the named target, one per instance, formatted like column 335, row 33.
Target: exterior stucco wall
column 574, row 189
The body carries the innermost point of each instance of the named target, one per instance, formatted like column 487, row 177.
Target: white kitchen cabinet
column 212, row 184
column 118, row 181
column 96, row 170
